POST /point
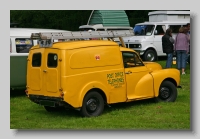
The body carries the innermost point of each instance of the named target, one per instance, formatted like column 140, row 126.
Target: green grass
column 137, row 115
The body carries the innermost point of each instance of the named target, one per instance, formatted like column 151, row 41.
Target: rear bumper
column 49, row 101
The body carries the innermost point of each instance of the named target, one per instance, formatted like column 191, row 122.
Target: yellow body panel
column 82, row 66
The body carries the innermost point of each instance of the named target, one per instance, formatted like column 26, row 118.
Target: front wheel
column 150, row 55
column 93, row 104
column 167, row 92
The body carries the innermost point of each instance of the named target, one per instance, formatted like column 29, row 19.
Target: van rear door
column 44, row 72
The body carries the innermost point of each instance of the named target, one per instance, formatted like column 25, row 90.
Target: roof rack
column 47, row 37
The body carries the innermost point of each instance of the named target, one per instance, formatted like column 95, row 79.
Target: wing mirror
column 155, row 32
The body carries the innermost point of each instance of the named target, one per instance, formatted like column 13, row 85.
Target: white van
column 20, row 43
column 147, row 40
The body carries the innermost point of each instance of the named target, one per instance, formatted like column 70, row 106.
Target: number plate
column 47, row 103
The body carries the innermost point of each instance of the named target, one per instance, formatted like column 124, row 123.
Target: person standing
column 168, row 47
column 181, row 46
column 188, row 33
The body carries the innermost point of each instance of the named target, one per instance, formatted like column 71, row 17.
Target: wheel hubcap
column 92, row 105
column 164, row 92
column 150, row 57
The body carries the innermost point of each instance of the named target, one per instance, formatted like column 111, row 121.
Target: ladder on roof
column 82, row 34
column 47, row 36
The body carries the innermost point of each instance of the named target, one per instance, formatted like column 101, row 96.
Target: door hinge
column 60, row 59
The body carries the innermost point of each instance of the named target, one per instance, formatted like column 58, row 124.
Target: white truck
column 147, row 39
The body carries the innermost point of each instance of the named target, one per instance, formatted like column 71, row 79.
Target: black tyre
column 93, row 104
column 51, row 109
column 167, row 92
column 150, row 55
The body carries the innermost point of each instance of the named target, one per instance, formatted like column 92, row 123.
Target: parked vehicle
column 20, row 43
column 147, row 39
column 88, row 74
column 107, row 20
column 100, row 27
column 102, row 20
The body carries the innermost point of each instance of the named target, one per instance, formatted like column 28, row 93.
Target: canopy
column 109, row 18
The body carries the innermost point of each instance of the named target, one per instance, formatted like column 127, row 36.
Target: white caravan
column 20, row 43
column 147, row 40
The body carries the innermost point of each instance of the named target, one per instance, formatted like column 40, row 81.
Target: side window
column 36, row 60
column 52, row 60
column 175, row 28
column 131, row 59
column 160, row 30
column 23, row 45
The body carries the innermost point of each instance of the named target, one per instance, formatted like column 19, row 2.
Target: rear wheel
column 93, row 104
column 150, row 55
column 167, row 92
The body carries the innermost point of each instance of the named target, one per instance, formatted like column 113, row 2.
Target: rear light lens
column 61, row 94
column 26, row 91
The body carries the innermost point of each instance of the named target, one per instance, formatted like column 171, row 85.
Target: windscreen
column 144, row 30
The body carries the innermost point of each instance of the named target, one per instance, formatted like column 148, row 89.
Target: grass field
column 138, row 115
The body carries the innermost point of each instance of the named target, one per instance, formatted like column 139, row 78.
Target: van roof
column 169, row 12
column 80, row 44
column 26, row 32
column 164, row 22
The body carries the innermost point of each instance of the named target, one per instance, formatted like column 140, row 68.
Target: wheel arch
column 94, row 86
column 101, row 92
column 166, row 79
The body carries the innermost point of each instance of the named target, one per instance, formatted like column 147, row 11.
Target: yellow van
column 88, row 74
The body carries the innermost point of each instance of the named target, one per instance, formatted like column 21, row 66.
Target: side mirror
column 155, row 32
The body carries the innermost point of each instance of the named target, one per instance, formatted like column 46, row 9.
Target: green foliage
column 138, row 115
column 65, row 19
column 52, row 19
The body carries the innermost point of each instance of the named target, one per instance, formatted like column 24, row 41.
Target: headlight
column 135, row 46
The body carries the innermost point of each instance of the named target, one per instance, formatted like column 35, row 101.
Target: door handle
column 129, row 72
column 45, row 71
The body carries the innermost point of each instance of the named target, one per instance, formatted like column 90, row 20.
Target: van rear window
column 52, row 60
column 36, row 60
column 23, row 45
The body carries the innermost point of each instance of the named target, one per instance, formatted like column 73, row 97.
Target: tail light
column 61, row 92
column 26, row 91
